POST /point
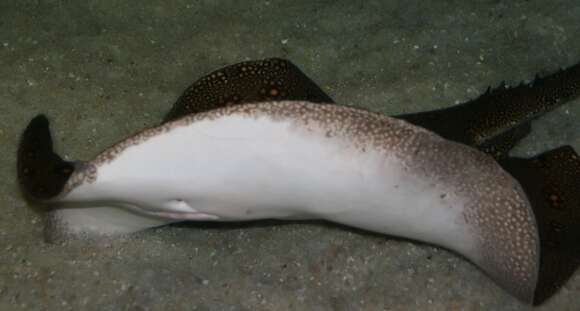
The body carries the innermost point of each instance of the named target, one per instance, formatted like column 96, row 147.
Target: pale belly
column 246, row 171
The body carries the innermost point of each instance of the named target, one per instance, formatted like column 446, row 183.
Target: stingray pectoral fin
column 42, row 174
column 251, row 81
column 97, row 221
column 552, row 183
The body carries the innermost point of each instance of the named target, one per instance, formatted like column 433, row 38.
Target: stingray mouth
column 42, row 174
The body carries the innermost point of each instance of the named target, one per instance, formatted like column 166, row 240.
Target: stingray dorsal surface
column 299, row 160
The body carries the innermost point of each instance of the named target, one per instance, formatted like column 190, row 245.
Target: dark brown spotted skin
column 494, row 113
column 526, row 101
column 497, row 211
column 552, row 184
column 251, row 81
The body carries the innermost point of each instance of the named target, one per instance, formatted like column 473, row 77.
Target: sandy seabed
column 104, row 69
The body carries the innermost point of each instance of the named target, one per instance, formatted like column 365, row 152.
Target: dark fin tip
column 42, row 174
column 552, row 182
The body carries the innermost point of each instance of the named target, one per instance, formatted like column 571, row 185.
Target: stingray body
column 92, row 199
column 299, row 160
column 494, row 122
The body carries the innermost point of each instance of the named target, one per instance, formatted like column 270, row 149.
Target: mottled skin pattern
column 551, row 181
column 497, row 210
column 251, row 81
column 525, row 101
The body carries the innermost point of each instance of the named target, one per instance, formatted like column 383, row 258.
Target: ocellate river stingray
column 290, row 153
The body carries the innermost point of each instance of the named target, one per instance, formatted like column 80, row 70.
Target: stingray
column 494, row 122
column 44, row 176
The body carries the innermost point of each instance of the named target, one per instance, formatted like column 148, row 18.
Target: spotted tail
column 498, row 119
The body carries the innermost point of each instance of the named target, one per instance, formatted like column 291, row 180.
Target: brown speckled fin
column 552, row 184
column 251, row 81
column 494, row 113
column 42, row 173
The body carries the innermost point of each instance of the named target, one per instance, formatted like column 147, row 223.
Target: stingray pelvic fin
column 552, row 184
column 42, row 174
column 500, row 145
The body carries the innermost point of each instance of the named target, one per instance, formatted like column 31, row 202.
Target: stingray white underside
column 242, row 168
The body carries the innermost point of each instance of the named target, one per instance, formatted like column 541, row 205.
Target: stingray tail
column 552, row 183
column 491, row 120
column 42, row 174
